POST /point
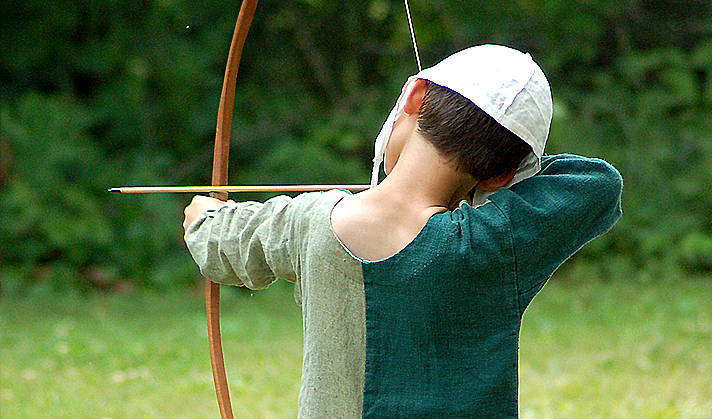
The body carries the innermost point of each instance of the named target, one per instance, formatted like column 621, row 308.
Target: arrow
column 244, row 188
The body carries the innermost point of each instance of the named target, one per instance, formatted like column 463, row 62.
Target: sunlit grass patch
column 145, row 354
column 588, row 350
column 618, row 350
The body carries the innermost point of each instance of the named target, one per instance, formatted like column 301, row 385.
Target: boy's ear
column 496, row 182
column 414, row 95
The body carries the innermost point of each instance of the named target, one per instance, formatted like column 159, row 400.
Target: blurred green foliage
column 118, row 93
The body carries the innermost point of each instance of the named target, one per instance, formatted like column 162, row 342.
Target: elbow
column 610, row 189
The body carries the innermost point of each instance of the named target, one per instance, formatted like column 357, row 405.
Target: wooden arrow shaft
column 236, row 189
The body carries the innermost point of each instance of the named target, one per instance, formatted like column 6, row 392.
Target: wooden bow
column 219, row 178
column 219, row 190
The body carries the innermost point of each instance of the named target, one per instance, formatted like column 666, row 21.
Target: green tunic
column 433, row 330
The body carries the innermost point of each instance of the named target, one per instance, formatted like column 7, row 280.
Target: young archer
column 413, row 291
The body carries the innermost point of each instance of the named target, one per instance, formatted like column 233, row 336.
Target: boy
column 413, row 291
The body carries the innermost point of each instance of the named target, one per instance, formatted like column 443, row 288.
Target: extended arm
column 241, row 243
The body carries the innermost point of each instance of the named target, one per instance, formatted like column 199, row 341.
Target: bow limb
column 219, row 178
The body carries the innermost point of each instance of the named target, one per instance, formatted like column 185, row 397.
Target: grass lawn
column 592, row 350
column 588, row 350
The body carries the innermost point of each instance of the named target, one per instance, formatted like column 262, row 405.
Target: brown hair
column 461, row 130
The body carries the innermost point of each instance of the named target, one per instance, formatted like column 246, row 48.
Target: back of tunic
column 433, row 330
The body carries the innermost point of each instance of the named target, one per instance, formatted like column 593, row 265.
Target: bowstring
column 412, row 35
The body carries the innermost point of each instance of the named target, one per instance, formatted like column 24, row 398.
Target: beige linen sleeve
column 246, row 244
column 253, row 244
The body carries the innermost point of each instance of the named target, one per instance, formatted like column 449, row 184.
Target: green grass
column 588, row 350
column 619, row 350
column 144, row 355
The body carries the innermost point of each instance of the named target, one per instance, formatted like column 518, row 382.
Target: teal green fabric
column 443, row 315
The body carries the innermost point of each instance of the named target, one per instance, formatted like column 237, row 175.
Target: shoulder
column 320, row 198
column 311, row 210
column 353, row 219
column 373, row 227
column 281, row 210
column 313, row 202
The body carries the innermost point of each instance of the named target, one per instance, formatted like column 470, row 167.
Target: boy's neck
column 379, row 222
column 422, row 178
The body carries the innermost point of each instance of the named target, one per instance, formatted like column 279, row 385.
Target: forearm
column 240, row 243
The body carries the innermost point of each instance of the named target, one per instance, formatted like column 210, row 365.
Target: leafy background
column 118, row 93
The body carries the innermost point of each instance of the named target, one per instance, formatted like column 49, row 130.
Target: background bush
column 117, row 93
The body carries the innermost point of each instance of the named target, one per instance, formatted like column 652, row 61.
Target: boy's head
column 463, row 132
column 505, row 86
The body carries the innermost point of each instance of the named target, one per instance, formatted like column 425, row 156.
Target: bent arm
column 571, row 201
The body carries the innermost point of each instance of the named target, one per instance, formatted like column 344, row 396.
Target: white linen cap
column 506, row 84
